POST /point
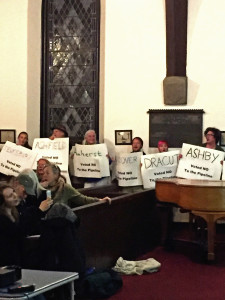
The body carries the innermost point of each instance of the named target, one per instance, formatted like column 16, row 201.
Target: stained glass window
column 70, row 66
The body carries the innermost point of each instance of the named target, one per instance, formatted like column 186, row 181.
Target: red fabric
column 180, row 278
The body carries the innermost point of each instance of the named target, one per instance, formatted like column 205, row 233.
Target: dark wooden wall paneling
column 128, row 227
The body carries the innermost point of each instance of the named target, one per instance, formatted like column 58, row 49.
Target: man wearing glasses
column 212, row 136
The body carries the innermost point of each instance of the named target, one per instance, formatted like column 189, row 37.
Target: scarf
column 57, row 189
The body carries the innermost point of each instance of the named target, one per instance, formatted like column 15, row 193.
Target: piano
column 203, row 198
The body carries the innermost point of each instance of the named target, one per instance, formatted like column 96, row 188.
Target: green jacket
column 70, row 196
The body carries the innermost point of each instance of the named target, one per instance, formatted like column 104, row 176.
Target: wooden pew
column 129, row 227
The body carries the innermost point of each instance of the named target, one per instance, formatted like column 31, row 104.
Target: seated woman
column 137, row 145
column 90, row 139
column 13, row 228
column 22, row 140
column 63, row 192
column 162, row 146
column 10, row 233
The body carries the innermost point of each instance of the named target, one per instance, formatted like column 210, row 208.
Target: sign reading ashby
column 200, row 163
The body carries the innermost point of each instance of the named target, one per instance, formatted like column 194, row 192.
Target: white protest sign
column 223, row 175
column 56, row 151
column 157, row 166
column 200, row 163
column 14, row 159
column 91, row 161
column 128, row 169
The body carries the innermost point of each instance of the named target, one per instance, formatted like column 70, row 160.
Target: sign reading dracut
column 157, row 166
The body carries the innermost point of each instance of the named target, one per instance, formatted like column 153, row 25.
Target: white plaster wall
column 206, row 59
column 20, row 37
column 13, row 62
column 33, row 68
column 135, row 64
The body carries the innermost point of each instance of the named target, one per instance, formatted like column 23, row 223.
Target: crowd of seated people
column 26, row 209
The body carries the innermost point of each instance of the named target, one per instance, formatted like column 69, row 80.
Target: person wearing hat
column 58, row 131
column 33, row 200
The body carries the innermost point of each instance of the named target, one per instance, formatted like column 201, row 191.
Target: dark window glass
column 70, row 66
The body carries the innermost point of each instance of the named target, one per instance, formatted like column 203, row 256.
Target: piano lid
column 193, row 182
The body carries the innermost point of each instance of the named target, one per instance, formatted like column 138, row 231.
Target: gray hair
column 85, row 135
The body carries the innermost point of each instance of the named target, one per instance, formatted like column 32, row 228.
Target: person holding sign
column 212, row 136
column 63, row 192
column 137, row 145
column 22, row 140
column 58, row 131
column 162, row 146
column 90, row 139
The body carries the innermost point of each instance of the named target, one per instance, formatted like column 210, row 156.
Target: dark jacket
column 59, row 246
column 217, row 147
column 11, row 238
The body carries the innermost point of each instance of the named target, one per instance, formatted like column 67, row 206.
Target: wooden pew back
column 128, row 227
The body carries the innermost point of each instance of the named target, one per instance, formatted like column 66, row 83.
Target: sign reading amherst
column 128, row 170
column 91, row 161
column 200, row 163
column 157, row 166
column 14, row 159
column 56, row 151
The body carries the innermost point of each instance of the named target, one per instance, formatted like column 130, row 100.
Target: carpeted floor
column 181, row 277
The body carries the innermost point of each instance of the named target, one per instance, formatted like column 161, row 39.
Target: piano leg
column 210, row 218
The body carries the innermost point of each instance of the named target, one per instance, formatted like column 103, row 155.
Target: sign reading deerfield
column 14, row 159
column 91, row 161
column 157, row 166
column 128, row 169
column 200, row 163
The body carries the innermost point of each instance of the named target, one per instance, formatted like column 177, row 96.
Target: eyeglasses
column 41, row 166
column 209, row 134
